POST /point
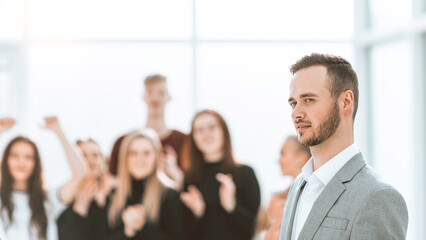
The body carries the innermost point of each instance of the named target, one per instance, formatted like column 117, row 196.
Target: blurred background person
column 156, row 96
column 92, row 153
column 28, row 211
column 88, row 188
column 293, row 157
column 222, row 196
column 140, row 207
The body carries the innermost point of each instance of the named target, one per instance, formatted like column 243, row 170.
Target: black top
column 72, row 226
column 95, row 225
column 216, row 223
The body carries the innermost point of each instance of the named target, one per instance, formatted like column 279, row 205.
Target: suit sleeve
column 243, row 218
column 383, row 215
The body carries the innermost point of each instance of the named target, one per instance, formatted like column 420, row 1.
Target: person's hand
column 194, row 201
column 52, row 123
column 6, row 123
column 170, row 167
column 275, row 214
column 273, row 232
column 86, row 191
column 275, row 208
column 134, row 218
column 106, row 183
column 226, row 192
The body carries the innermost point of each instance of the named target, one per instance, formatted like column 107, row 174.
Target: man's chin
column 302, row 138
column 308, row 142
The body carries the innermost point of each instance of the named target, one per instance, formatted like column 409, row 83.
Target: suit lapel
column 321, row 207
column 290, row 209
column 329, row 196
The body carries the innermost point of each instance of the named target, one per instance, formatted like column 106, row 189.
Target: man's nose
column 297, row 113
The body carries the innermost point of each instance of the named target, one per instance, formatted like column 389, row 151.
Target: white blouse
column 20, row 228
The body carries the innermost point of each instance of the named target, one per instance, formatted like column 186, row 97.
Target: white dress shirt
column 315, row 184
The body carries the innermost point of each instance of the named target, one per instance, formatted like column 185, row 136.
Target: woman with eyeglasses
column 222, row 196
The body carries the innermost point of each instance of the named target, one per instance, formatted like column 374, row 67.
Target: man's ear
column 348, row 101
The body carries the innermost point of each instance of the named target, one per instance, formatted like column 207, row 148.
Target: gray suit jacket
column 355, row 204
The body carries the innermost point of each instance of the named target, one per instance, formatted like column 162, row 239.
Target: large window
column 85, row 61
column 389, row 42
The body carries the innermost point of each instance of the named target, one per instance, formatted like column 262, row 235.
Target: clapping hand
column 226, row 192
column 85, row 193
column 170, row 166
column 107, row 183
column 134, row 218
column 194, row 201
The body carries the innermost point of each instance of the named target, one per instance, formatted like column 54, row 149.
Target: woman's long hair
column 154, row 188
column 35, row 191
column 192, row 157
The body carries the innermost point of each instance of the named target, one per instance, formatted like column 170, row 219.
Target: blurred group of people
column 157, row 183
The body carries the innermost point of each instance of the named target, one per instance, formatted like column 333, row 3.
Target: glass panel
column 392, row 108
column 96, row 90
column 110, row 19
column 387, row 14
column 4, row 62
column 11, row 19
column 7, row 105
column 275, row 19
column 249, row 85
column 7, row 84
column 6, row 95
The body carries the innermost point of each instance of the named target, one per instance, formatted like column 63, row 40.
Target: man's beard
column 325, row 130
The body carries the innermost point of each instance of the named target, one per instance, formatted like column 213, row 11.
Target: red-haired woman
column 223, row 196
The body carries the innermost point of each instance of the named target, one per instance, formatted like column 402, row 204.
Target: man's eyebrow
column 308, row 95
column 304, row 95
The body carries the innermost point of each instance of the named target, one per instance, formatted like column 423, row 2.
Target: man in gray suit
column 337, row 195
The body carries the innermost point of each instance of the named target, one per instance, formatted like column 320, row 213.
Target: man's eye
column 309, row 100
column 292, row 104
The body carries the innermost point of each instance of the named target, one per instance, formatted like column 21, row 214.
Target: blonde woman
column 141, row 207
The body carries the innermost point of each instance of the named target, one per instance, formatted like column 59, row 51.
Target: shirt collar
column 327, row 171
column 308, row 169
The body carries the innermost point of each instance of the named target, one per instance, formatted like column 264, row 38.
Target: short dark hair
column 340, row 74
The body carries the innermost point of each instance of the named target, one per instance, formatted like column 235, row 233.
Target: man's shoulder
column 373, row 201
column 366, row 185
column 360, row 178
column 368, row 180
